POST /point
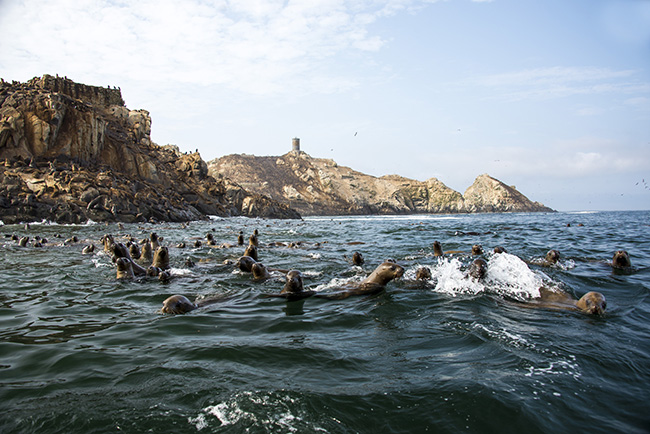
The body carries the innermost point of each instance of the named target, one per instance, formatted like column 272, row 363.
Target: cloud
column 255, row 46
column 560, row 82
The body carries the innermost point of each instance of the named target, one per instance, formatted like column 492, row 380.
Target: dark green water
column 81, row 352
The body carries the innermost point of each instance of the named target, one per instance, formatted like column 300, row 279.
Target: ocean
column 84, row 352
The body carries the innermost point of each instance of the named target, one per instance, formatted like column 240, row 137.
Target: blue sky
column 551, row 96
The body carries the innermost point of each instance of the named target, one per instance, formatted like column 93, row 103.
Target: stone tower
column 295, row 144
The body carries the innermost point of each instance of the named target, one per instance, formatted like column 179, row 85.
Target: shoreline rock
column 74, row 152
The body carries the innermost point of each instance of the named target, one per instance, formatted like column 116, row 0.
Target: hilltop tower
column 295, row 145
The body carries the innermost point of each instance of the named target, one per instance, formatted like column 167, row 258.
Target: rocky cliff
column 74, row 152
column 316, row 186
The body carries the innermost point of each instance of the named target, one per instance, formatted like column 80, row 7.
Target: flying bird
column 355, row 133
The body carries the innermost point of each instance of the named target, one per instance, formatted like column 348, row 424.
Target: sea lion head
column 500, row 249
column 385, row 272
column 423, row 273
column 177, row 304
column 252, row 240
column 552, row 256
column 477, row 249
column 294, row 282
column 245, row 263
column 478, row 269
column 134, row 250
column 593, row 303
column 119, row 250
column 161, row 258
column 251, row 251
column 437, row 248
column 621, row 259
column 259, row 271
column 357, row 258
column 124, row 268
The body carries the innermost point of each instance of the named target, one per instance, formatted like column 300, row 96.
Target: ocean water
column 83, row 352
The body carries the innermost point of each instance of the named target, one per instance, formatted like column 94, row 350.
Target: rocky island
column 316, row 186
column 70, row 153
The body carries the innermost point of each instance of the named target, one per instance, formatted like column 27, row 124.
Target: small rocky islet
column 71, row 152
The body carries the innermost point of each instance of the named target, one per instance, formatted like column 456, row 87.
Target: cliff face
column 315, row 186
column 74, row 152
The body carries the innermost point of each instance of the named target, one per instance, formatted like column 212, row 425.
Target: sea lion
column 477, row 269
column 293, row 288
column 161, row 258
column 252, row 240
column 477, row 250
column 621, row 259
column 107, row 240
column 552, row 257
column 154, row 241
column 134, row 250
column 177, row 304
column 245, row 263
column 88, row 249
column 23, row 241
column 500, row 249
column 260, row 272
column 357, row 259
column 593, row 302
column 240, row 238
column 437, row 248
column 164, row 276
column 153, row 271
column 251, row 251
column 372, row 284
column 423, row 273
column 180, row 245
column 124, row 268
column 146, row 255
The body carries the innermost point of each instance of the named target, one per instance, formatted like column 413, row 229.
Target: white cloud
column 255, row 46
column 559, row 82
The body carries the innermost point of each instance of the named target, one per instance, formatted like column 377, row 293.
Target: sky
column 551, row 96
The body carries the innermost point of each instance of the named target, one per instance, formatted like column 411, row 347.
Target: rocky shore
column 70, row 152
column 316, row 186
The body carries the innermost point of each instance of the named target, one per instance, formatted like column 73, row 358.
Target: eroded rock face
column 317, row 186
column 73, row 152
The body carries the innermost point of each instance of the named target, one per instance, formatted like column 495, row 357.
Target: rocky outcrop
column 315, row 186
column 74, row 152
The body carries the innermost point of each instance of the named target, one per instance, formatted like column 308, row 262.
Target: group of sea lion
column 150, row 258
column 592, row 302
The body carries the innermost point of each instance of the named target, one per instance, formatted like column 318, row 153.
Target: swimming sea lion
column 478, row 269
column 372, row 284
column 146, row 255
column 177, row 304
column 423, row 273
column 621, row 259
column 251, row 251
column 245, row 263
column 107, row 240
column 124, row 268
column 240, row 238
column 357, row 259
column 552, row 257
column 154, row 241
column 437, row 248
column 23, row 241
column 134, row 250
column 161, row 258
column 592, row 302
column 293, row 288
column 119, row 250
column 500, row 249
column 197, row 244
column 252, row 240
column 260, row 272
column 477, row 249
column 87, row 250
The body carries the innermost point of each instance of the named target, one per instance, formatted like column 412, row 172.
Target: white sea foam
column 451, row 280
column 509, row 275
